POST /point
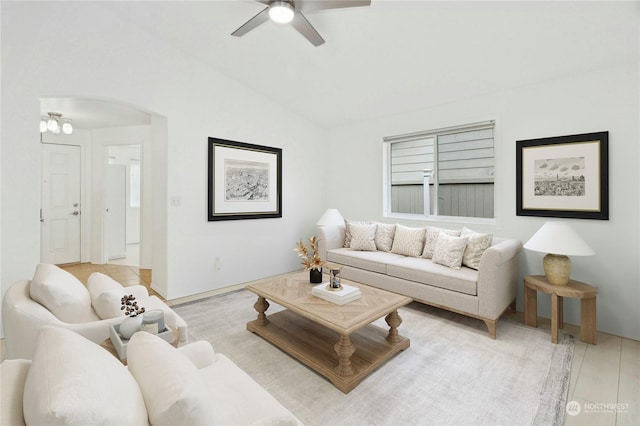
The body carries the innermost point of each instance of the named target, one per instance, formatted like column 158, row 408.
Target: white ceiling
column 395, row 56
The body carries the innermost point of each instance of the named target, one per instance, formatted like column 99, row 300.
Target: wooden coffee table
column 337, row 341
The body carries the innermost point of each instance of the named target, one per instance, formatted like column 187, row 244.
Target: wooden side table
column 576, row 289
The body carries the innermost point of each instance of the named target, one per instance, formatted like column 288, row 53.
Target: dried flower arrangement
column 310, row 257
column 130, row 306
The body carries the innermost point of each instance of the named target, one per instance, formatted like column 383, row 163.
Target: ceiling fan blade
column 252, row 23
column 313, row 5
column 303, row 26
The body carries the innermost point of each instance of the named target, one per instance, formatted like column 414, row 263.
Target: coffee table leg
column 344, row 348
column 394, row 321
column 261, row 307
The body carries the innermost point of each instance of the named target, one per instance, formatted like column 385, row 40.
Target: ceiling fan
column 290, row 11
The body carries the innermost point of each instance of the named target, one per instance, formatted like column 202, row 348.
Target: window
column 443, row 172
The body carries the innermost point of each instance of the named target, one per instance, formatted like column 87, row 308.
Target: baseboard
column 218, row 291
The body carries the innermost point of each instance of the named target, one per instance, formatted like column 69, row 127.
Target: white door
column 60, row 216
column 116, row 217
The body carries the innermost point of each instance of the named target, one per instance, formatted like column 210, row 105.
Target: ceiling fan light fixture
column 55, row 124
column 281, row 12
column 52, row 124
column 67, row 128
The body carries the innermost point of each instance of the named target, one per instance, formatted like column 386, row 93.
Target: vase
column 315, row 275
column 129, row 326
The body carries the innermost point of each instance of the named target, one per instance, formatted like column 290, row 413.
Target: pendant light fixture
column 55, row 123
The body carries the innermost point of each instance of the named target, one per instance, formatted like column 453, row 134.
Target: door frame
column 102, row 202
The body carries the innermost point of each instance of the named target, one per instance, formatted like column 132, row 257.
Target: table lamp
column 331, row 217
column 559, row 241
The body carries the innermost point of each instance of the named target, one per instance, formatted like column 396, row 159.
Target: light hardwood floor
column 125, row 275
column 605, row 378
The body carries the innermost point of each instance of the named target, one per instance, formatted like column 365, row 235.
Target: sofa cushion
column 174, row 391
column 347, row 232
column 384, row 236
column 106, row 294
column 425, row 271
column 431, row 238
column 476, row 246
column 363, row 236
column 74, row 381
column 408, row 241
column 374, row 261
column 450, row 250
column 62, row 294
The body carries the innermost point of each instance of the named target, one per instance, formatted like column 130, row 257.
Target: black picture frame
column 563, row 176
column 245, row 181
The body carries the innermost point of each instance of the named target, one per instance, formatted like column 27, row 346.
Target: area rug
column 453, row 373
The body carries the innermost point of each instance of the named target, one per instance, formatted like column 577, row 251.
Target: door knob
column 75, row 213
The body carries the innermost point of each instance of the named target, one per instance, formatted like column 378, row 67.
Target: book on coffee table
column 345, row 295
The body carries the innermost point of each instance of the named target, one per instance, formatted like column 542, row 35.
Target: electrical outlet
column 176, row 201
column 217, row 264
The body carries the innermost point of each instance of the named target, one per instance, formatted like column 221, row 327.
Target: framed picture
column 565, row 176
column 245, row 181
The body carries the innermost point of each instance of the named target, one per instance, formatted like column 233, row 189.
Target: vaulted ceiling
column 395, row 56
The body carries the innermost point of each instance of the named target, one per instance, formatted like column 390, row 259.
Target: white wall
column 80, row 50
column 596, row 101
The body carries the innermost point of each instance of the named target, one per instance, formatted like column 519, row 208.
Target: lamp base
column 557, row 268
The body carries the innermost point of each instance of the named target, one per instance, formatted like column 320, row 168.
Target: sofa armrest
column 201, row 353
column 22, row 318
column 329, row 237
column 14, row 375
column 498, row 278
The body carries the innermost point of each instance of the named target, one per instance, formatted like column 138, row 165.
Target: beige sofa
column 73, row 381
column 484, row 293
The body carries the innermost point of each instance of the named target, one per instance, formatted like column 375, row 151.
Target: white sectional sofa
column 73, row 381
column 56, row 298
column 470, row 273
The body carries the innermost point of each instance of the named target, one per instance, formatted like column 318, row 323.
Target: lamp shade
column 558, row 238
column 331, row 217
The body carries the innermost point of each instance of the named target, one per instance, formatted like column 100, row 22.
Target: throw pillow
column 108, row 304
column 476, row 246
column 363, row 236
column 106, row 294
column 347, row 232
column 449, row 250
column 174, row 390
column 408, row 241
column 62, row 294
column 99, row 283
column 73, row 381
column 431, row 239
column 384, row 236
